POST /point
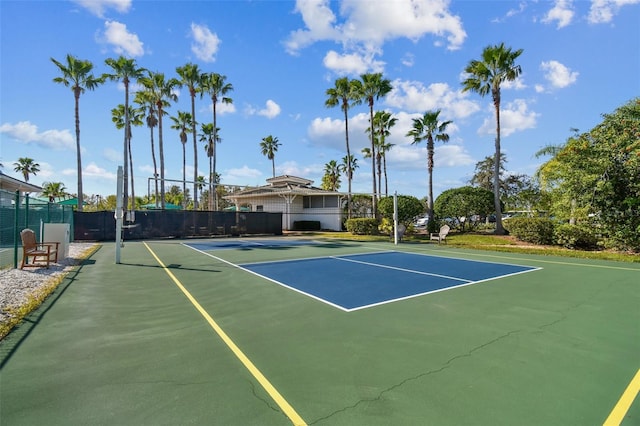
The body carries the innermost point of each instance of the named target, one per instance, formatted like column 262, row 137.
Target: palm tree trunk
column 133, row 193
column 374, row 198
column 496, row 170
column 213, row 199
column 125, row 168
column 155, row 168
column 160, row 147
column 184, row 176
column 349, row 172
column 78, row 154
column 195, row 155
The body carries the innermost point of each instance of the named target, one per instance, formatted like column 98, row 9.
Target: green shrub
column 531, row 229
column 575, row 237
column 363, row 226
column 306, row 225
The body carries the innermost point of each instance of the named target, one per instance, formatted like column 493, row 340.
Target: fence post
column 16, row 221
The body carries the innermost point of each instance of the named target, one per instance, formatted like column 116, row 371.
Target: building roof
column 282, row 185
column 8, row 183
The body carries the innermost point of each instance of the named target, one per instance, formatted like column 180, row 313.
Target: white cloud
column 602, row 11
column 271, row 110
column 112, row 155
column 222, row 108
column 206, row 43
column 562, row 12
column 363, row 28
column 292, row 168
column 26, row 132
column 558, row 75
column 242, row 174
column 352, row 63
column 92, row 170
column 123, row 42
column 514, row 117
column 99, row 7
column 415, row 97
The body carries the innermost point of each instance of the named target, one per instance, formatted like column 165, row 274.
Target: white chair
column 441, row 235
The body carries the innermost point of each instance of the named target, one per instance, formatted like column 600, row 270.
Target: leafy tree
column 496, row 66
column 373, row 87
column 125, row 69
column 331, row 178
column 269, row 147
column 160, row 91
column 217, row 87
column 191, row 77
column 408, row 208
column 462, row 203
column 485, row 170
column 27, row 166
column 429, row 128
column 182, row 123
column 76, row 73
column 346, row 93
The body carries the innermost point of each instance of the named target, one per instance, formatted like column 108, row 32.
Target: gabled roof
column 280, row 186
column 11, row 184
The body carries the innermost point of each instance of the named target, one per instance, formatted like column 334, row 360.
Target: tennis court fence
column 19, row 211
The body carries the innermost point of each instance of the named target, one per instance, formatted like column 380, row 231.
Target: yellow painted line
column 272, row 391
column 623, row 405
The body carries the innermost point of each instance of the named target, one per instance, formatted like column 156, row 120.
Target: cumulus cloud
column 363, row 29
column 205, row 43
column 562, row 13
column 414, row 96
column 602, row 11
column 27, row 133
column 352, row 63
column 99, row 7
column 558, row 75
column 242, row 174
column 271, row 110
column 123, row 42
column 514, row 117
column 91, row 171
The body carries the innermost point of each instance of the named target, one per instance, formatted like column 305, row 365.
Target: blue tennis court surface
column 355, row 282
column 224, row 244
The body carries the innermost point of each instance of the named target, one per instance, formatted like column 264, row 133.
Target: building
column 9, row 184
column 296, row 199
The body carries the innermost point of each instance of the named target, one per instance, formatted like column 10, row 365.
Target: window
column 320, row 201
column 259, row 208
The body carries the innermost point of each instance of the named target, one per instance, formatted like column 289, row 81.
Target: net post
column 395, row 217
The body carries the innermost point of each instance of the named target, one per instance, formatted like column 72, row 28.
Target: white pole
column 119, row 213
column 395, row 218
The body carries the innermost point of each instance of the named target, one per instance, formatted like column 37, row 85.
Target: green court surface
column 176, row 336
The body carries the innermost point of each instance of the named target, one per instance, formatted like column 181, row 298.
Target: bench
column 32, row 249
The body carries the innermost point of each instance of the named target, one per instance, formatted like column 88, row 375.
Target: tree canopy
column 462, row 203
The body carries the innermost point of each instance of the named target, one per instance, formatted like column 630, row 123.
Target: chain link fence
column 19, row 211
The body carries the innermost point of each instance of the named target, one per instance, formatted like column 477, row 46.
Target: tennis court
column 291, row 331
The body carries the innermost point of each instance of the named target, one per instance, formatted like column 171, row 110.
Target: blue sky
column 580, row 59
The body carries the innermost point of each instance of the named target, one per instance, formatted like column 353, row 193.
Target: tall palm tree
column 383, row 121
column 53, row 190
column 485, row 76
column 145, row 99
column 383, row 149
column 216, row 86
column 182, row 123
column 191, row 77
column 346, row 94
column 125, row 69
column 160, row 91
column 331, row 178
column 207, row 136
column 428, row 128
column 119, row 116
column 374, row 87
column 27, row 166
column 76, row 73
column 269, row 147
column 349, row 165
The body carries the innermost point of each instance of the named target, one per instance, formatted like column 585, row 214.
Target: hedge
column 363, row 226
column 531, row 229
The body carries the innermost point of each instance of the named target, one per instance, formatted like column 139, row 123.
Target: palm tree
column 269, row 147
column 160, row 91
column 331, row 178
column 346, row 94
column 429, row 128
column 207, row 136
column 383, row 149
column 216, row 86
column 125, row 69
column 182, row 123
column 77, row 75
column 145, row 99
column 348, row 166
column 119, row 117
column 485, row 76
column 383, row 121
column 191, row 77
column 53, row 190
column 373, row 88
column 27, row 167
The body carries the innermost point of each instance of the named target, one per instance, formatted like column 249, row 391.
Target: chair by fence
column 441, row 235
column 47, row 252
